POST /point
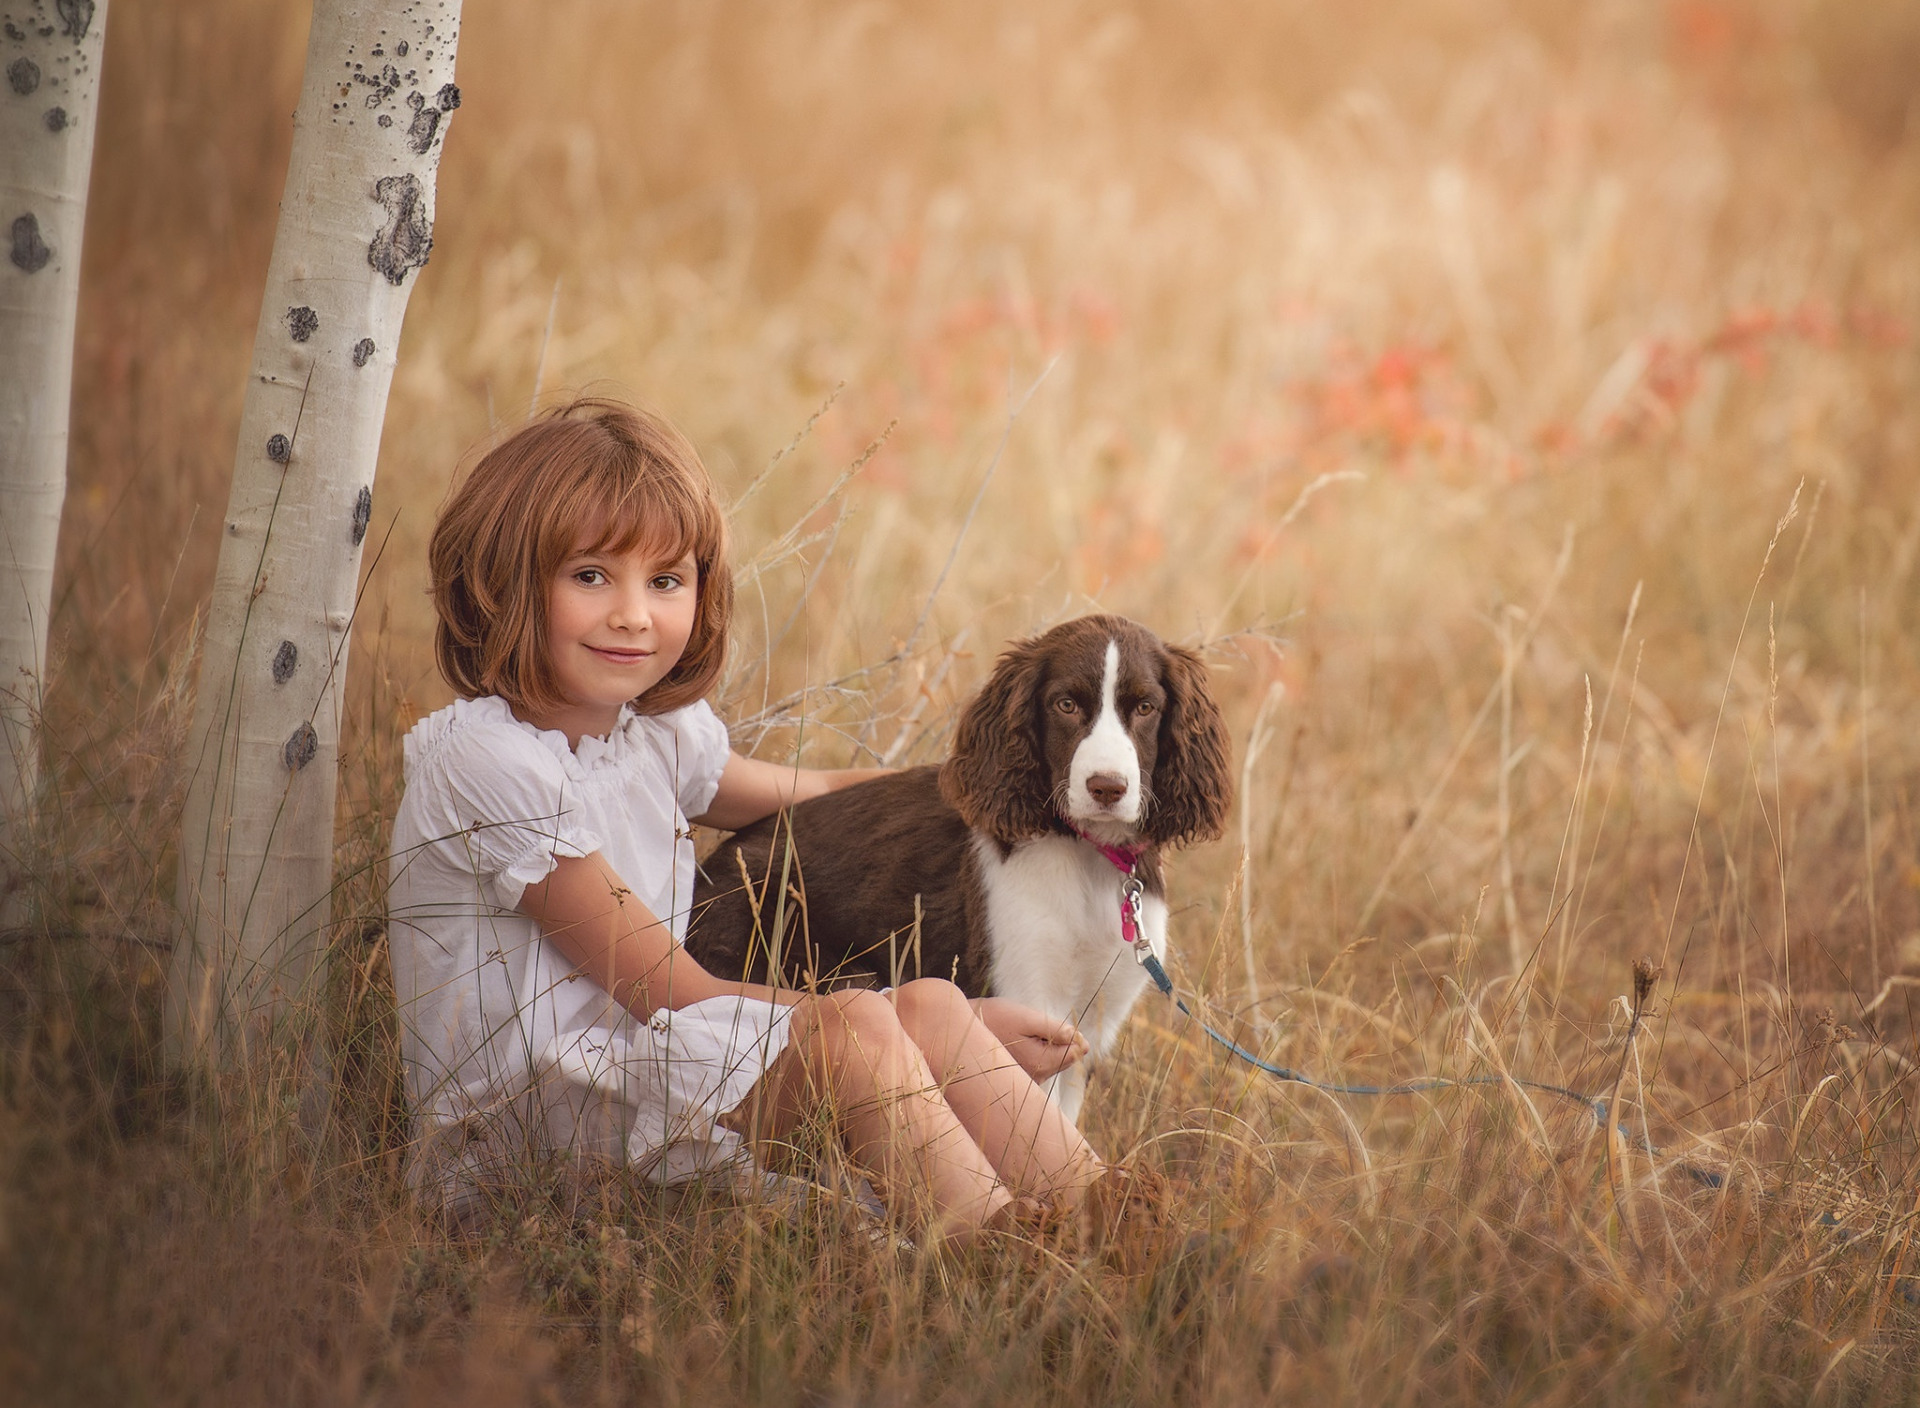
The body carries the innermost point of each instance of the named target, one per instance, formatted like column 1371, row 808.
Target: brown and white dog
column 985, row 868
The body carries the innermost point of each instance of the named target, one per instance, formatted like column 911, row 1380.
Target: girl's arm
column 599, row 927
column 751, row 788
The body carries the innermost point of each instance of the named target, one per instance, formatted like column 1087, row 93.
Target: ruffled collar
column 491, row 711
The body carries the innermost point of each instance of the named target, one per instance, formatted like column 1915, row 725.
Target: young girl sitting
column 543, row 866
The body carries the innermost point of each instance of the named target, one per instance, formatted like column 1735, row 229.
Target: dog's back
column 848, row 867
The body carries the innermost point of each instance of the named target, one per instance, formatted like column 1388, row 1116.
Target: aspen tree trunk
column 50, row 59
column 256, row 853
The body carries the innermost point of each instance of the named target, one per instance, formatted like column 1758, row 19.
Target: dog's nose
column 1107, row 788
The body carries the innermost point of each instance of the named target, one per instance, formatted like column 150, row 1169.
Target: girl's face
column 616, row 624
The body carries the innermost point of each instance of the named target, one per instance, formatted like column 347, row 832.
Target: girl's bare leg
column 847, row 1050
column 1032, row 1146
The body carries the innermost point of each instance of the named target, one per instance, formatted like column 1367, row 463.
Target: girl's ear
column 1192, row 776
column 996, row 776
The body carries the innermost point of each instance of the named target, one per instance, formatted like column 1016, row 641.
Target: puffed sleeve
column 696, row 747
column 508, row 803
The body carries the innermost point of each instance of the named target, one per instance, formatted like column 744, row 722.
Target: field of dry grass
column 1520, row 401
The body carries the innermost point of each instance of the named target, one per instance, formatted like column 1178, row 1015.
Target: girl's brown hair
column 593, row 467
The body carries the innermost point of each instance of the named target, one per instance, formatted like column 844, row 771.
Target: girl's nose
column 631, row 612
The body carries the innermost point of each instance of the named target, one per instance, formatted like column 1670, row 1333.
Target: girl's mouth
column 621, row 657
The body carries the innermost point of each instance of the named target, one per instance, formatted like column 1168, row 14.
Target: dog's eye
column 1066, row 706
column 1144, row 708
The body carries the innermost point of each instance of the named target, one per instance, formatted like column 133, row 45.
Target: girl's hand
column 1044, row 1046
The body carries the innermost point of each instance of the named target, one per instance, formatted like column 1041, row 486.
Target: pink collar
column 1121, row 858
column 1126, row 860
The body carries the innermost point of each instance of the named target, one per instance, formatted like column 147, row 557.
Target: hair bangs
column 637, row 509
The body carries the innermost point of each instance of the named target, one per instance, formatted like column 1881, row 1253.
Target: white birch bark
column 49, row 93
column 256, row 853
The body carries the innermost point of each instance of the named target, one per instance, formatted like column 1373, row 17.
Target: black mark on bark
column 15, row 33
column 279, row 449
column 285, row 661
column 75, row 16
column 426, row 116
column 23, row 75
column 385, row 119
column 401, row 48
column 362, row 350
column 302, row 322
column 421, row 131
column 362, row 514
column 30, row 253
column 301, row 747
column 380, row 86
column 56, row 119
column 404, row 241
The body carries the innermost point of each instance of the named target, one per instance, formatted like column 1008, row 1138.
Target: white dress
column 509, row 1053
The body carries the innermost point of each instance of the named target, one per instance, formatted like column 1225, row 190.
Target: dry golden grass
column 1583, row 341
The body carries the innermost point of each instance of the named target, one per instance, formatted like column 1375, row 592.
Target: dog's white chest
column 1053, row 927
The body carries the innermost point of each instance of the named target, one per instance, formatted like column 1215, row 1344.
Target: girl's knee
column 855, row 1043
column 930, row 997
column 854, row 1014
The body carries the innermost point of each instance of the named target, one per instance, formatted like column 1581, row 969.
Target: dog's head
column 1098, row 723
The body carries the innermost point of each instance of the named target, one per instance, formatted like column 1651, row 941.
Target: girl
column 543, row 866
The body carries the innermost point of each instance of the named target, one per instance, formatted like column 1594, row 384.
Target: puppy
column 990, row 869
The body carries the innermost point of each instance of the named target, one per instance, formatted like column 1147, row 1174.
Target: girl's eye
column 666, row 582
column 590, row 576
column 1067, row 706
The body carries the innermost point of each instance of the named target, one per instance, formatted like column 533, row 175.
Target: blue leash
column 1596, row 1107
column 1707, row 1177
column 1132, row 933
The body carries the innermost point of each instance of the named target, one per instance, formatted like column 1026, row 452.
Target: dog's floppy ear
column 996, row 777
column 1192, row 777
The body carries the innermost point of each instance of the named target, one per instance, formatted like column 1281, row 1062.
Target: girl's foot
column 1122, row 1218
column 1124, row 1214
column 1032, row 1232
